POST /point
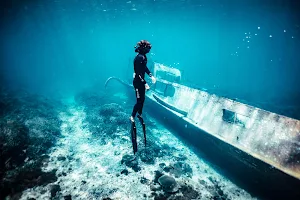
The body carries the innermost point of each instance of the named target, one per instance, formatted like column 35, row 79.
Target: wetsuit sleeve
column 148, row 71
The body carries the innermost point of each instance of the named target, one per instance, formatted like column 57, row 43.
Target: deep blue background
column 52, row 47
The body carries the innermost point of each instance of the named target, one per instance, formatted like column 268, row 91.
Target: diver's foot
column 131, row 119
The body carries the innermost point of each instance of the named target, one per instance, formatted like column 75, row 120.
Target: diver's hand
column 153, row 79
column 147, row 86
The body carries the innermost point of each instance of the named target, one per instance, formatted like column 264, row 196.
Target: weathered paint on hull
column 251, row 173
column 270, row 137
column 246, row 159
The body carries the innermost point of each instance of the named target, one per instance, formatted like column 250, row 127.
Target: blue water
column 246, row 50
column 67, row 45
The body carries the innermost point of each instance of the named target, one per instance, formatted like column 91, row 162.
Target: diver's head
column 143, row 47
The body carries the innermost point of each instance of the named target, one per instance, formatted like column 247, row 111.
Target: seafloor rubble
column 29, row 127
column 94, row 158
column 80, row 148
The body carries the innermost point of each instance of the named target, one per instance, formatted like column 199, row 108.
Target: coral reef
column 93, row 158
column 29, row 126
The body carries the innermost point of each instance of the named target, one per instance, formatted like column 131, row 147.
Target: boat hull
column 262, row 175
column 254, row 175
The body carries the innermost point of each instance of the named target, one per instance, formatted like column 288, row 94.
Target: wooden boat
column 257, row 149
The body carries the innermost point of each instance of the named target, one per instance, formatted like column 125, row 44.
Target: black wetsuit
column 140, row 68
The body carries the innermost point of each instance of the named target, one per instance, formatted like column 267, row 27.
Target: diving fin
column 133, row 137
column 144, row 127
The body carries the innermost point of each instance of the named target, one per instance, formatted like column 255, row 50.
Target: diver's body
column 139, row 82
column 140, row 86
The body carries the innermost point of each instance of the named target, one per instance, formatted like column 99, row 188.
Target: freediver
column 140, row 86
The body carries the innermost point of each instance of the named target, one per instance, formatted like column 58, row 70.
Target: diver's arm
column 148, row 71
column 142, row 80
column 137, row 74
column 150, row 75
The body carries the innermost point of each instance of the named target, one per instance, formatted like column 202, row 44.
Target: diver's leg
column 142, row 92
column 140, row 97
column 136, row 107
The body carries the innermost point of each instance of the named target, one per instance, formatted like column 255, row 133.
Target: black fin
column 133, row 137
column 144, row 127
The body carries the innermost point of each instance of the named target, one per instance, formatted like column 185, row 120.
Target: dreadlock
column 143, row 46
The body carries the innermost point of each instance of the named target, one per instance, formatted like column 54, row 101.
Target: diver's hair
column 142, row 45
